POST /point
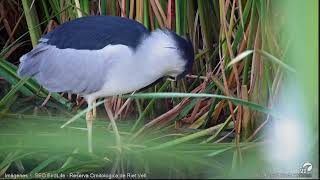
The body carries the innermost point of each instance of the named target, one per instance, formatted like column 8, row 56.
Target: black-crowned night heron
column 100, row 56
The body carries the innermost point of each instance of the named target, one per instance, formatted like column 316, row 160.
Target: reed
column 244, row 58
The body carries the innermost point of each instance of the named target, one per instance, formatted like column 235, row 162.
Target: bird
column 102, row 56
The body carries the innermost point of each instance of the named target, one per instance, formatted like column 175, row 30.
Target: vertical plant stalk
column 127, row 7
column 32, row 21
column 231, row 22
column 103, row 7
column 178, row 17
column 205, row 24
column 163, row 16
column 256, row 77
column 146, row 14
column 190, row 19
column 86, row 7
column 249, row 44
column 245, row 124
column 45, row 9
column 141, row 11
column 151, row 18
column 169, row 14
column 234, row 67
column 240, row 31
column 137, row 11
column 79, row 13
column 228, row 39
column 241, row 15
column 157, row 14
column 63, row 13
column 123, row 8
column 184, row 18
column 113, row 7
column 131, row 9
column 225, row 83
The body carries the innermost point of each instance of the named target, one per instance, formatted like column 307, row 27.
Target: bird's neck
column 144, row 68
column 148, row 65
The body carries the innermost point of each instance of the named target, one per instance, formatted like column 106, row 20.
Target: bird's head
column 184, row 49
column 169, row 54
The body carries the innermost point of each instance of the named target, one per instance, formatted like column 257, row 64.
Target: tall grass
column 220, row 110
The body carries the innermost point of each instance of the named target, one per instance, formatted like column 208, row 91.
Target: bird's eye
column 171, row 47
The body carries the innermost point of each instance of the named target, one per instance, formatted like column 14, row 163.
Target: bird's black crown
column 186, row 49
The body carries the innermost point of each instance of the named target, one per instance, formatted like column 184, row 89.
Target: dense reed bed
column 213, row 123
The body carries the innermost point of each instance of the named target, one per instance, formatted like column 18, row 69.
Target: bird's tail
column 30, row 62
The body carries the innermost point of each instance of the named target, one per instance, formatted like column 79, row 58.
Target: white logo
column 305, row 170
column 307, row 167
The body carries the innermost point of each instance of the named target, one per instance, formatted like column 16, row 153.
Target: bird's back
column 96, row 32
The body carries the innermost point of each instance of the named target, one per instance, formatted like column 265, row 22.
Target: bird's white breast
column 125, row 73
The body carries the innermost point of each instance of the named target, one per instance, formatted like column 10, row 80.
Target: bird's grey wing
column 66, row 70
column 69, row 58
column 29, row 67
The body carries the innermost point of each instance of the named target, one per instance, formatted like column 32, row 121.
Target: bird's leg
column 94, row 110
column 46, row 100
column 89, row 119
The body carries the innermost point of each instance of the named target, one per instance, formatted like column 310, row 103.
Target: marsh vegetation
column 211, row 124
